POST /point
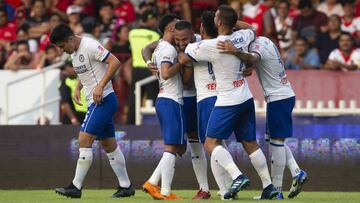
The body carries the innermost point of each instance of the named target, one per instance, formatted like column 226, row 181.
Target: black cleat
column 240, row 183
column 69, row 191
column 124, row 192
column 269, row 192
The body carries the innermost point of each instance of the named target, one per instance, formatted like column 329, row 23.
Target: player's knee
column 181, row 150
column 85, row 140
column 193, row 136
column 109, row 145
column 250, row 147
column 210, row 144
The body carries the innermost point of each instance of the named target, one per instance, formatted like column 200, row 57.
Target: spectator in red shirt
column 309, row 23
column 7, row 30
column 23, row 11
column 88, row 8
column 54, row 20
column 124, row 10
column 253, row 12
column 58, row 6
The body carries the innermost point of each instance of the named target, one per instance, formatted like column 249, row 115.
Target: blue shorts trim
column 204, row 108
column 172, row 121
column 279, row 122
column 239, row 119
column 190, row 109
column 99, row 118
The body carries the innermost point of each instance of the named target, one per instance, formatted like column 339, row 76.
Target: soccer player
column 234, row 108
column 170, row 111
column 95, row 67
column 280, row 99
column 183, row 35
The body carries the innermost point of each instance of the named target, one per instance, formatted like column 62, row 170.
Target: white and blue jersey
column 234, row 100
column 88, row 62
column 278, row 92
column 169, row 104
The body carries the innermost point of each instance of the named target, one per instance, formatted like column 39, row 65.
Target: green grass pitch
column 103, row 196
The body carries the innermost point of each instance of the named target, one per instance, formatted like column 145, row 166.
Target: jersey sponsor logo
column 211, row 86
column 81, row 58
column 238, row 83
column 237, row 40
column 80, row 69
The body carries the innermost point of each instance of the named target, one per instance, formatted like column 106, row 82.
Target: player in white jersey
column 280, row 98
column 169, row 109
column 95, row 67
column 183, row 35
column 234, row 108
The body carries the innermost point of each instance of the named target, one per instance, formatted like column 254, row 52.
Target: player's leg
column 173, row 127
column 245, row 132
column 220, row 126
column 86, row 138
column 118, row 164
column 198, row 157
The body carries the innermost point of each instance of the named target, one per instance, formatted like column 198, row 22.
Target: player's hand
column 151, row 66
column 226, row 47
column 247, row 72
column 98, row 94
column 77, row 97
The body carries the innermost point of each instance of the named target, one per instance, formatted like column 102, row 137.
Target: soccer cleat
column 69, row 191
column 202, row 195
column 152, row 190
column 297, row 183
column 124, row 192
column 240, row 183
column 279, row 196
column 171, row 196
column 269, row 192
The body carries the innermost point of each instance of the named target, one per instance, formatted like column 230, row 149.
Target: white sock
column 82, row 167
column 278, row 162
column 291, row 162
column 223, row 157
column 219, row 174
column 227, row 178
column 117, row 162
column 200, row 165
column 155, row 177
column 258, row 160
column 167, row 172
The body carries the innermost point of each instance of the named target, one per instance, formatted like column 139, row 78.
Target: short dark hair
column 61, row 33
column 49, row 46
column 285, row 2
column 165, row 20
column 349, row 35
column 348, row 2
column 228, row 16
column 147, row 15
column 183, row 25
column 106, row 4
column 305, row 4
column 207, row 20
column 24, row 42
column 304, row 39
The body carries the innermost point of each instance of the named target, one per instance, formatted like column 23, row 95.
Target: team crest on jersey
column 81, row 58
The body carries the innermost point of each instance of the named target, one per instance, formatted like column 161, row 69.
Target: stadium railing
column 43, row 100
column 302, row 107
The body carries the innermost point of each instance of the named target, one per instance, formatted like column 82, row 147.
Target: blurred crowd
column 310, row 34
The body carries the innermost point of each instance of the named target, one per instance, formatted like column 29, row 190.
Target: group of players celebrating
column 203, row 98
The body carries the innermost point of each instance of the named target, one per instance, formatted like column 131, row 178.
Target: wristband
column 148, row 62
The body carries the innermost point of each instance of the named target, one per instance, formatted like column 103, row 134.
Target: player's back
column 270, row 70
column 171, row 88
column 231, row 86
column 88, row 62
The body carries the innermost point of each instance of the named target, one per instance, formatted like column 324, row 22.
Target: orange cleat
column 171, row 196
column 152, row 190
column 202, row 195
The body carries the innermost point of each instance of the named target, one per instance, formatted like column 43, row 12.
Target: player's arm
column 147, row 53
column 113, row 66
column 77, row 92
column 188, row 76
column 168, row 69
column 184, row 59
column 243, row 25
column 228, row 48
